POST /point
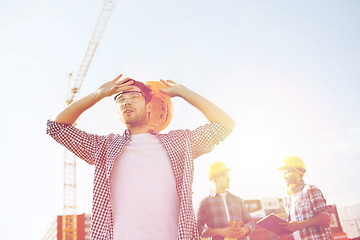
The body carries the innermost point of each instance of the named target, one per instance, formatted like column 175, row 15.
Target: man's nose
column 127, row 101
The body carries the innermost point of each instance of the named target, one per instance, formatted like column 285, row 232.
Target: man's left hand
column 292, row 226
column 239, row 231
column 174, row 89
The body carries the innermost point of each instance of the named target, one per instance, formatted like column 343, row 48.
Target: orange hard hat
column 161, row 109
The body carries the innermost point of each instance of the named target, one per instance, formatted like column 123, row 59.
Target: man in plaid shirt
column 143, row 179
column 223, row 215
column 307, row 213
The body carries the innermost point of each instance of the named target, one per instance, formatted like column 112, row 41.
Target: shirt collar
column 127, row 134
column 214, row 194
column 299, row 187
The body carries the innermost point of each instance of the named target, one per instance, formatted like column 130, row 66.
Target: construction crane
column 69, row 222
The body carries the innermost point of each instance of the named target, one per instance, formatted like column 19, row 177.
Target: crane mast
column 69, row 220
column 90, row 51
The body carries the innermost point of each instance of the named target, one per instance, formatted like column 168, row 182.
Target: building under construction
column 55, row 232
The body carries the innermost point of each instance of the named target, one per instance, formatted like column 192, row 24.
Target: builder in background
column 307, row 213
column 223, row 216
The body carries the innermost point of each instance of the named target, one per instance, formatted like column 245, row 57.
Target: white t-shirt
column 223, row 195
column 144, row 200
column 296, row 234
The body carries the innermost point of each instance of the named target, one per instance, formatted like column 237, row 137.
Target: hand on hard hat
column 161, row 107
column 173, row 89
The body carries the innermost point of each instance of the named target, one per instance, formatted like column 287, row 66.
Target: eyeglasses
column 221, row 175
column 289, row 171
column 132, row 96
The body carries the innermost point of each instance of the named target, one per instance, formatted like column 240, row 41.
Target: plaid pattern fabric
column 212, row 213
column 309, row 203
column 182, row 146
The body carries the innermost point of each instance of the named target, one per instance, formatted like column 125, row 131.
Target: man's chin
column 289, row 183
column 135, row 123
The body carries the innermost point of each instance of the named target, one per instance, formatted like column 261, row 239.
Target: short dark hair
column 143, row 88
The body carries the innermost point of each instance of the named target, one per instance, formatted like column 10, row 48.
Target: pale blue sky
column 286, row 71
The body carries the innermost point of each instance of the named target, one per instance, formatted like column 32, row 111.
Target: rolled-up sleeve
column 207, row 136
column 318, row 201
column 202, row 217
column 82, row 144
column 247, row 219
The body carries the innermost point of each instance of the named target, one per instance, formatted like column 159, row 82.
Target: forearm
column 319, row 220
column 72, row 112
column 247, row 219
column 210, row 110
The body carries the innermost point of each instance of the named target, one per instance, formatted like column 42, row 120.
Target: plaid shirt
column 309, row 203
column 182, row 147
column 212, row 213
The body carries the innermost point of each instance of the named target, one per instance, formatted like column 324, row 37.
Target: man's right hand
column 114, row 86
column 235, row 230
column 238, row 230
column 71, row 113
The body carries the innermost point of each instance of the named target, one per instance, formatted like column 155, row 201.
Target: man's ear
column 148, row 107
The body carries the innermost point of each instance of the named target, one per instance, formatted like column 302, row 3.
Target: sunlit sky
column 286, row 71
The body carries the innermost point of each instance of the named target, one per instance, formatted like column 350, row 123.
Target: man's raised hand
column 174, row 89
column 114, row 86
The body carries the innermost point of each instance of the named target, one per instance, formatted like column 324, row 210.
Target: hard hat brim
column 284, row 168
column 219, row 173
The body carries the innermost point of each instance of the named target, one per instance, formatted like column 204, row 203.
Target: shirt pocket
column 305, row 211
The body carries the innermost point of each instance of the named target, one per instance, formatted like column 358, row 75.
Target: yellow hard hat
column 217, row 168
column 293, row 162
column 161, row 110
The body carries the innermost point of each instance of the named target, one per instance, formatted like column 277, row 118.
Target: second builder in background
column 307, row 213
